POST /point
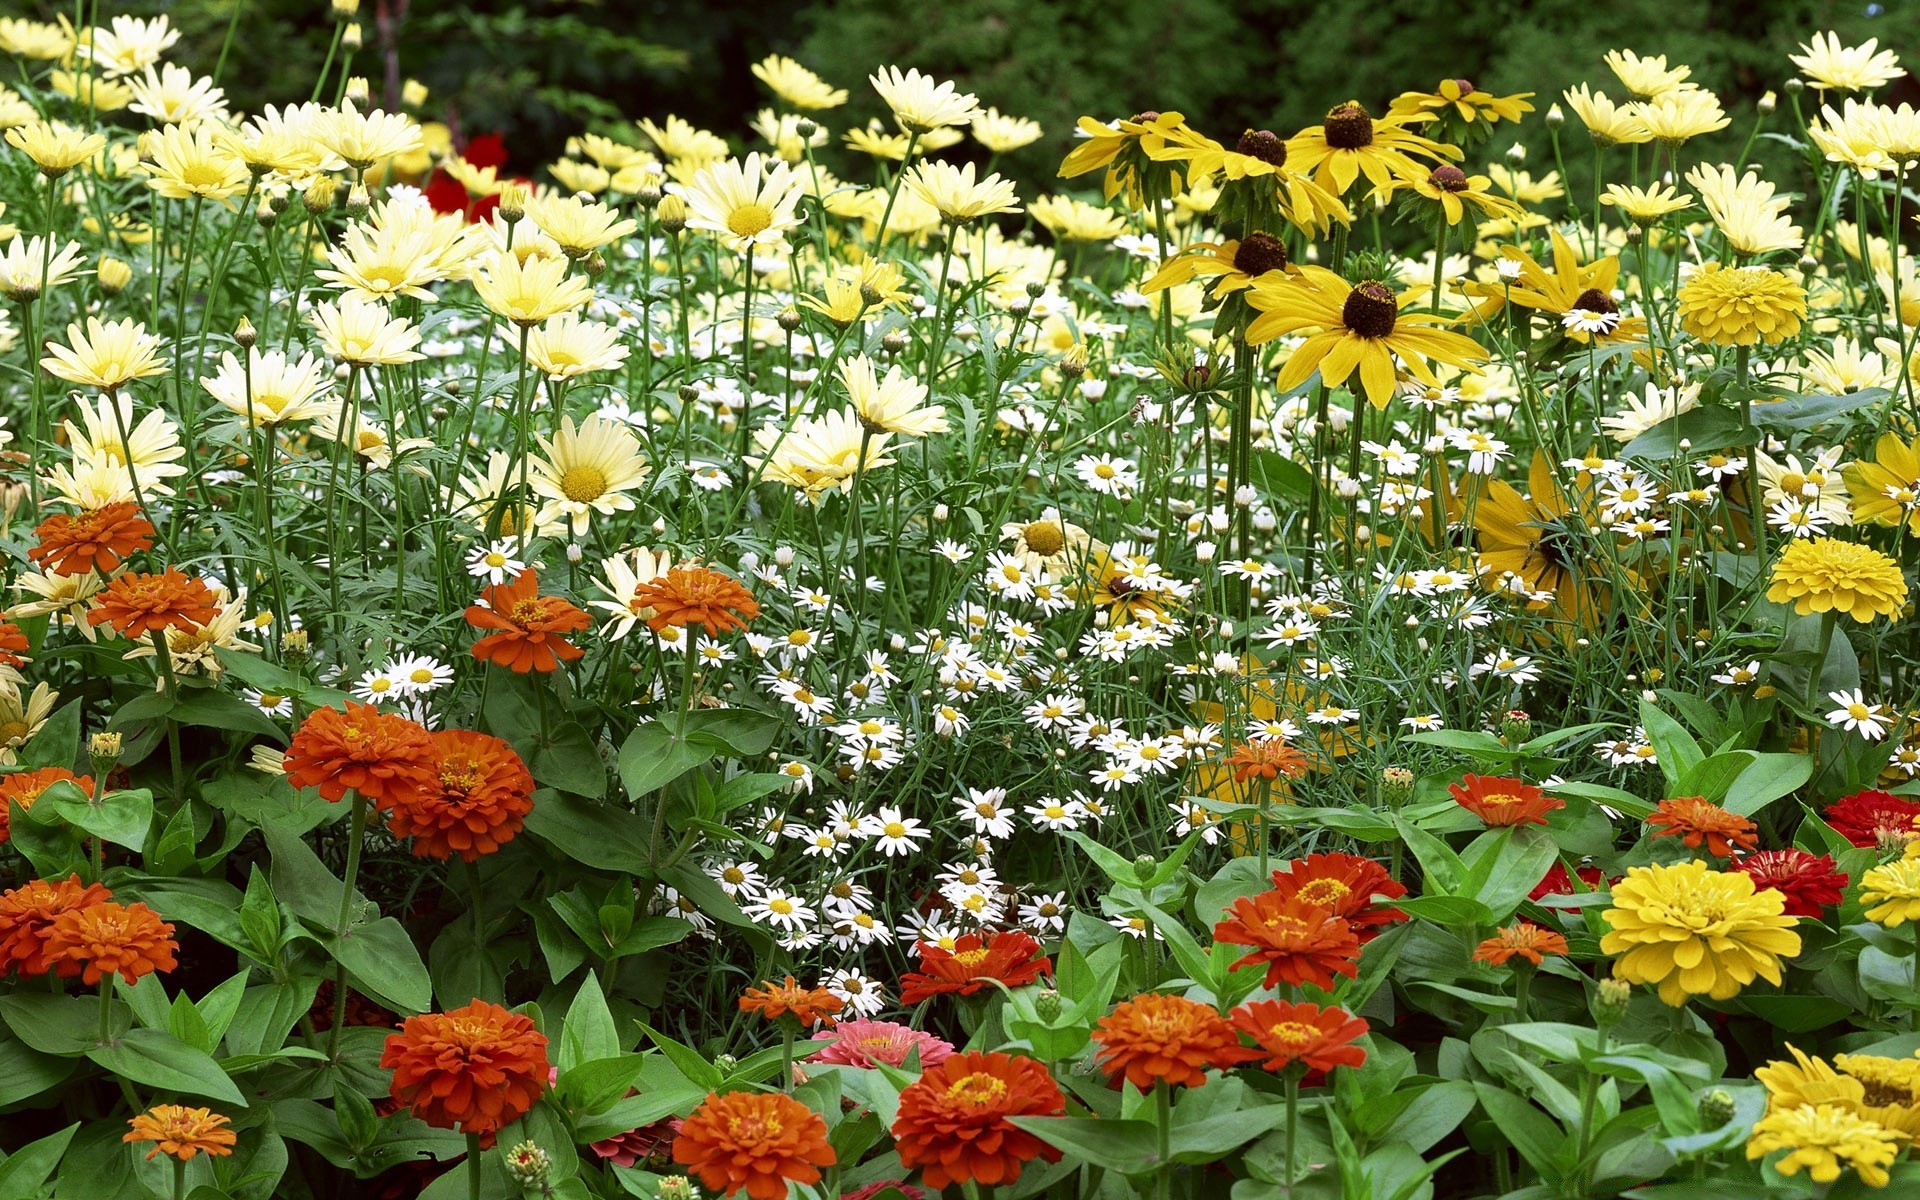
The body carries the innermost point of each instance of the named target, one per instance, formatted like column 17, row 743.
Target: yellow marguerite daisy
column 796, row 85
column 586, row 469
column 106, row 356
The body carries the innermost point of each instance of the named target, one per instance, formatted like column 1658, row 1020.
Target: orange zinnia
column 776, row 1000
column 478, row 1067
column 13, row 645
column 110, row 938
column 1153, row 1038
column 96, row 540
column 1289, row 1033
column 24, row 787
column 28, row 912
column 756, row 1142
column 182, row 1132
column 1299, row 942
column 1011, row 957
column 696, row 596
column 477, row 803
column 1526, row 939
column 532, row 628
column 388, row 759
column 1265, row 760
column 952, row 1123
column 1500, row 801
column 1693, row 821
column 1345, row 885
column 137, row 605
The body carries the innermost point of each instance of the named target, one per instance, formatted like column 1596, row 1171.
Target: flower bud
column 350, row 39
column 1768, row 102
column 1145, row 866
column 1073, row 364
column 245, row 334
column 1716, row 1104
column 1396, row 785
column 358, row 89
column 674, row 1187
column 529, row 1166
column 1610, row 1000
column 513, row 201
column 358, row 202
column 940, row 512
column 265, row 215
column 1035, row 290
column 345, row 8
column 1047, row 1004
column 103, row 750
column 294, row 643
column 319, row 194
column 595, row 265
column 112, row 274
column 413, row 93
column 672, row 213
column 1515, row 726
column 893, row 341
column 789, row 318
column 1555, row 118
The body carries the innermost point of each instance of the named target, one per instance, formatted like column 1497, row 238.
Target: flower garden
column 1329, row 663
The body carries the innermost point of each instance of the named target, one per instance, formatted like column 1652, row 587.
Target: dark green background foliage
column 540, row 71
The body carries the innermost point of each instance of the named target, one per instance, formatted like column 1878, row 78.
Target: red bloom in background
column 531, row 629
column 1345, row 885
column 1873, row 817
column 1299, row 942
column 1810, row 882
column 446, row 194
column 1012, row 957
column 1557, row 882
column 13, row 645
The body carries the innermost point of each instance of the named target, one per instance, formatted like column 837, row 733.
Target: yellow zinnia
column 1823, row 1140
column 1891, row 893
column 1824, row 574
column 1693, row 931
column 1740, row 306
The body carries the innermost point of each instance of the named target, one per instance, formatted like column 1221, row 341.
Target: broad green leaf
column 162, row 1061
column 27, row 1169
column 385, row 963
column 1128, row 1147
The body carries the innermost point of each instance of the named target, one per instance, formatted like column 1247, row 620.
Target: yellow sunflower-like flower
column 1891, row 893
column 1071, row 220
column 1885, row 1091
column 1824, row 1140
column 1469, row 103
column 1647, row 77
column 1538, row 545
column 1353, row 328
column 1828, row 575
column 1257, row 180
column 1680, row 116
column 1609, row 124
column 1644, row 206
column 1693, row 931
column 105, row 356
column 1352, row 142
column 1568, row 287
column 1741, row 306
column 1886, row 491
column 1126, row 148
column 1233, row 265
column 1453, row 189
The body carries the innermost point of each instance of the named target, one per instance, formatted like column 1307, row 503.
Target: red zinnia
column 1011, row 957
column 1810, row 882
column 136, row 605
column 1557, row 882
column 480, row 799
column 1525, row 940
column 96, row 540
column 775, row 1000
column 1500, row 801
column 532, row 628
column 952, row 1123
column 109, row 938
column 28, row 912
column 388, row 759
column 1345, row 885
column 1299, row 942
column 1693, row 821
column 478, row 1067
column 861, row 1043
column 1873, row 818
column 1289, row 1033
column 756, row 1142
column 1155, row 1037
column 24, row 787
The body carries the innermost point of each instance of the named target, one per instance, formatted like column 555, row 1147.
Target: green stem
column 165, row 658
column 106, row 1010
column 473, row 1166
column 356, row 836
column 1163, row 1134
column 1292, row 1086
column 180, row 1164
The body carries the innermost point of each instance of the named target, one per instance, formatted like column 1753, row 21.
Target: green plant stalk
column 164, row 656
column 1589, row 1099
column 180, row 1164
column 1292, row 1086
column 473, row 1166
column 106, row 1009
column 1163, row 1135
column 356, row 835
column 893, row 192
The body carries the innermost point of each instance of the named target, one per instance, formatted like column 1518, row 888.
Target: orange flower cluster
column 531, row 629
column 27, row 916
column 1500, row 801
column 953, row 1122
column 137, row 605
column 1288, row 1033
column 99, row 539
column 478, row 1067
column 696, row 596
column 809, row 1007
column 1694, row 821
column 24, row 787
column 1154, row 1038
column 388, row 759
column 1525, row 940
column 109, row 938
column 182, row 1132
column 756, row 1142
column 1011, row 957
column 1347, row 886
column 478, row 801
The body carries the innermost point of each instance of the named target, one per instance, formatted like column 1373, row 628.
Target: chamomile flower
column 863, row 997
column 987, row 812
column 1053, row 815
column 1855, row 715
column 781, row 909
column 1044, row 913
column 495, row 562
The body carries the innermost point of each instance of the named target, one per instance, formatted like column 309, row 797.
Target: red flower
column 1557, row 882
column 1810, row 882
column 479, row 1067
column 1500, row 801
column 810, row 1007
column 27, row 914
column 1693, row 821
column 1012, row 957
column 1345, row 885
column 1288, row 1033
column 1873, row 818
column 388, row 759
column 1300, row 943
column 531, row 628
column 13, row 645
column 24, row 787
column 952, row 1123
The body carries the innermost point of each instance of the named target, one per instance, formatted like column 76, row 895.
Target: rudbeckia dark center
column 1448, row 179
column 1594, row 300
column 1370, row 310
column 1146, row 118
column 1260, row 253
column 1349, row 127
column 1263, row 144
column 1465, row 86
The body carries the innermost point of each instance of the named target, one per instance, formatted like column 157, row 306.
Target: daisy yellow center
column 734, row 875
column 421, row 675
column 1055, row 812
column 749, row 219
column 895, row 829
column 271, row 700
column 380, row 685
column 1324, row 892
column 584, row 483
column 14, row 731
column 1044, row 538
column 1859, row 712
column 781, row 905
column 1293, row 1033
column 979, row 1088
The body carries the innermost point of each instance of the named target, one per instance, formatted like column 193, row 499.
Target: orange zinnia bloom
column 1500, row 801
column 1289, row 1033
column 96, row 540
column 756, row 1142
column 1299, row 942
column 1526, row 939
column 136, row 605
column 182, row 1132
column 1011, row 957
column 28, row 912
column 1155, row 1037
column 24, row 787
column 776, row 1000
column 388, row 759
column 696, row 596
column 478, row 1067
column 1265, row 760
column 1693, row 821
column 952, row 1123
column 110, row 938
column 477, row 803
column 532, row 628
column 13, row 645
column 1345, row 885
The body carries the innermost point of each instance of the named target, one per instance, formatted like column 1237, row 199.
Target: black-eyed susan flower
column 1128, row 149
column 1352, row 142
column 1258, row 181
column 1451, row 190
column 1885, row 490
column 1568, row 286
column 1232, row 265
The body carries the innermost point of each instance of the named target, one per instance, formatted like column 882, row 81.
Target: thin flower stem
column 356, row 835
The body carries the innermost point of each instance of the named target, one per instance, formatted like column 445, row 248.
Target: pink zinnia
column 864, row 1043
column 636, row 1145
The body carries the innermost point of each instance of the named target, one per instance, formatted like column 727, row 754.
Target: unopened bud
column 358, row 202
column 1516, row 726
column 1610, row 1000
column 319, row 194
column 1716, row 1104
column 674, row 1187
column 513, row 201
column 1145, row 866
column 789, row 318
column 294, row 643
column 1396, row 785
column 940, row 512
column 1794, row 84
column 725, row 1063
column 103, row 749
column 672, row 213
column 595, row 264
column 413, row 93
column 528, row 1165
column 245, row 334
column 350, row 39
column 1555, row 118
column 265, row 215
column 893, row 341
column 112, row 274
column 1035, row 290
column 358, row 90
column 1768, row 102
column 345, row 8
column 1047, row 1004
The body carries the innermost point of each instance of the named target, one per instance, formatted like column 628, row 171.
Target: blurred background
column 538, row 71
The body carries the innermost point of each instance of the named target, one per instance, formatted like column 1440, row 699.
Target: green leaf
column 660, row 751
column 62, row 1025
column 121, row 818
column 1471, row 742
column 1531, row 1131
column 58, row 742
column 1444, row 870
column 160, row 1060
column 1675, row 748
column 1434, row 1114
column 691, row 1064
column 588, row 1033
column 1809, row 411
column 1707, row 428
column 214, row 709
column 1128, row 1147
column 1767, row 778
column 595, row 835
column 1501, row 878
column 1124, row 872
column 26, row 1072
column 1209, row 1140
column 385, row 963
column 26, row 1171
column 1711, row 777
